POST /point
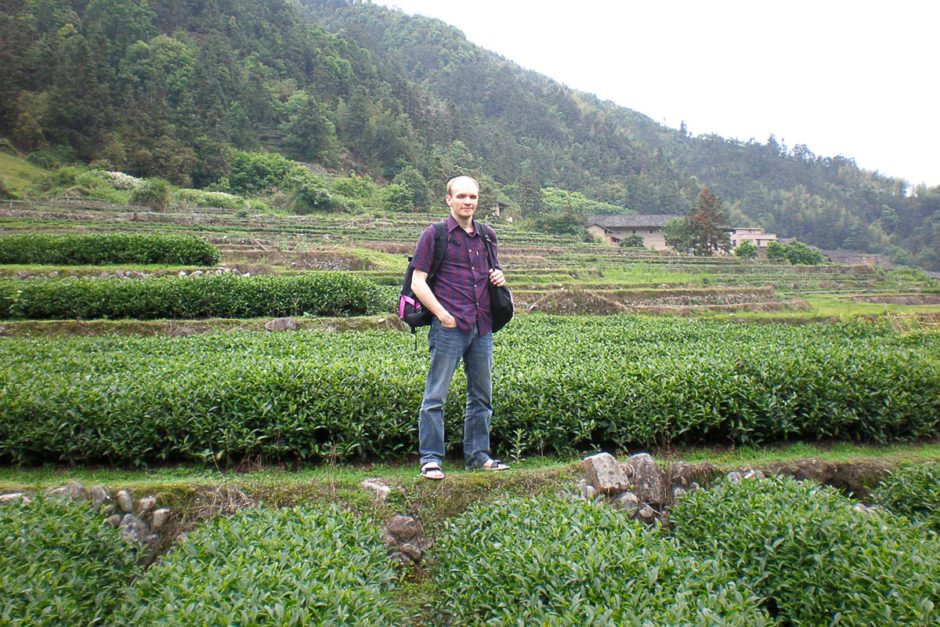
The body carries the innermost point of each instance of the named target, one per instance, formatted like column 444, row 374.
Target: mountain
column 167, row 87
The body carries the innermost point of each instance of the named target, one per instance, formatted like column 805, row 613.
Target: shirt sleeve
column 424, row 253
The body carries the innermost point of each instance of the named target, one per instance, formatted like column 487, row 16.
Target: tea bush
column 60, row 565
column 565, row 385
column 270, row 567
column 813, row 558
column 220, row 296
column 570, row 562
column 913, row 491
column 106, row 248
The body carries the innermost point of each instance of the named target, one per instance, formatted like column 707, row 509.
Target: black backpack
column 410, row 309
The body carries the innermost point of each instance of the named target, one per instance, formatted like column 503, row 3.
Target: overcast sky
column 857, row 79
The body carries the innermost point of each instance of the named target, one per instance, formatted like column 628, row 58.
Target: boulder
column 125, row 501
column 802, row 469
column 100, row 497
column 160, row 517
column 146, row 505
column 281, row 324
column 377, row 487
column 627, row 502
column 135, row 530
column 648, row 480
column 401, row 529
column 604, row 474
column 14, row 497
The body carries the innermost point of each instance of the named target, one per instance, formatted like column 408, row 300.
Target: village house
column 754, row 235
column 613, row 228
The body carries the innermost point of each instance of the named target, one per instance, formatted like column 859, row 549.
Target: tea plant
column 812, row 557
column 913, row 491
column 60, row 565
column 104, row 248
column 271, row 567
column 570, row 562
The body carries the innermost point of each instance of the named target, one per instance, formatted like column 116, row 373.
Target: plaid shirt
column 462, row 282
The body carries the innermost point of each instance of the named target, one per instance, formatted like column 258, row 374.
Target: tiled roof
column 631, row 222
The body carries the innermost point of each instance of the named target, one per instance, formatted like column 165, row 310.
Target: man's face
column 462, row 199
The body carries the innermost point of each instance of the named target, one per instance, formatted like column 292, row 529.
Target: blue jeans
column 448, row 347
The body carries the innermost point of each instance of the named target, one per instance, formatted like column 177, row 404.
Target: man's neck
column 465, row 224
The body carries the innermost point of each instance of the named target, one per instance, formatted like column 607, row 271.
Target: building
column 754, row 235
column 613, row 228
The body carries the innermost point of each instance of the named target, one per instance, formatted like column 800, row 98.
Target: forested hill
column 167, row 87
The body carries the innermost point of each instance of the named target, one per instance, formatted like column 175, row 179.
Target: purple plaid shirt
column 461, row 283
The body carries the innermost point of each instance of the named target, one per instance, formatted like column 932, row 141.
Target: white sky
column 852, row 78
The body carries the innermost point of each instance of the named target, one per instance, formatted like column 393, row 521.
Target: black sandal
column 432, row 467
column 494, row 464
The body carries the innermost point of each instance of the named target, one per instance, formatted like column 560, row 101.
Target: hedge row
column 219, row 296
column 811, row 557
column 271, row 567
column 913, row 491
column 560, row 386
column 60, row 565
column 555, row 561
column 104, row 248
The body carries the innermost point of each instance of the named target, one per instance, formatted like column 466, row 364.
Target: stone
column 146, row 505
column 802, row 469
column 281, row 324
column 108, row 509
column 861, row 508
column 753, row 474
column 648, row 480
column 378, row 488
column 114, row 520
column 125, row 501
column 645, row 514
column 74, row 491
column 678, row 493
column 627, row 502
column 100, row 497
column 159, row 518
column 14, row 497
column 604, row 474
column 734, row 476
column 401, row 529
column 586, row 490
column 135, row 530
column 414, row 553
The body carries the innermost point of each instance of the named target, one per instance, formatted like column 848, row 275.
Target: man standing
column 462, row 329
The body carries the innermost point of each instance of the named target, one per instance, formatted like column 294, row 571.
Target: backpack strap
column 440, row 247
column 486, row 232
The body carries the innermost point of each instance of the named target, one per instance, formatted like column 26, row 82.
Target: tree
column 701, row 232
column 746, row 250
column 634, row 241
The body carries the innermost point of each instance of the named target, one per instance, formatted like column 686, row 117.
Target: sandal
column 433, row 471
column 494, row 464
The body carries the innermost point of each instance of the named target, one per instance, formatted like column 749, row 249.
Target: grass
column 18, row 174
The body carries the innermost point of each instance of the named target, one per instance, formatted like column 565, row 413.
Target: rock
column 378, row 487
column 114, row 520
column 627, row 502
column 135, row 530
column 645, row 514
column 802, row 469
column 414, row 553
column 604, row 474
column 14, row 497
column 586, row 490
column 146, row 505
column 861, row 508
column 125, row 501
column 753, row 474
column 401, row 529
column 74, row 491
column 281, row 324
column 401, row 559
column 108, row 509
column 160, row 517
column 182, row 274
column 678, row 493
column 648, row 480
column 734, row 476
column 100, row 497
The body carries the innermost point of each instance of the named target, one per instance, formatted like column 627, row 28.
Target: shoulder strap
column 484, row 230
column 440, row 247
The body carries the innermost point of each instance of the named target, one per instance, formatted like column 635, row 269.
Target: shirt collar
column 452, row 224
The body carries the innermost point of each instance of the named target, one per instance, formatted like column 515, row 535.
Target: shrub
column 746, row 250
column 218, row 296
column 567, row 562
column 271, row 567
column 106, row 248
column 60, row 564
column 354, row 186
column 153, row 193
column 794, row 252
column 913, row 491
column 813, row 558
column 200, row 198
column 634, row 241
column 397, row 197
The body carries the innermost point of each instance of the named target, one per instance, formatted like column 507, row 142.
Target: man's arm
column 419, row 285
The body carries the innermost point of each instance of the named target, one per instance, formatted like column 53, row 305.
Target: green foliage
column 213, row 296
column 198, row 198
column 60, row 564
column 311, row 195
column 811, row 556
column 702, row 232
column 417, row 185
column 567, row 222
column 568, row 385
column 254, row 172
column 746, row 250
column 354, row 186
column 271, row 567
column 397, row 197
column 913, row 491
column 570, row 562
column 53, row 158
column 153, row 193
column 106, row 248
column 794, row 252
column 559, row 200
column 634, row 241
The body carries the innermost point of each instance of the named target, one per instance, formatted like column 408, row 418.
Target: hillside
column 169, row 88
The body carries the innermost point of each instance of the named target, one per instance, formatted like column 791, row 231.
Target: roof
column 631, row 222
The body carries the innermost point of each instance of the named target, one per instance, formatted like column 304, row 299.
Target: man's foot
column 432, row 470
column 494, row 464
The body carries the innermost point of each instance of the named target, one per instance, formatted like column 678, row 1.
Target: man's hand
column 497, row 278
column 448, row 321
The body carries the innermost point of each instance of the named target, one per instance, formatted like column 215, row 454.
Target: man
column 461, row 329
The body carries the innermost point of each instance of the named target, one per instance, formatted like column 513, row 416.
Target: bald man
column 462, row 329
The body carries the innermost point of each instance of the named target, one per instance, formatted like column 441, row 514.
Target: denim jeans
column 448, row 347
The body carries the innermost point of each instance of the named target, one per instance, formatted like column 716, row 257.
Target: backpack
column 410, row 309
